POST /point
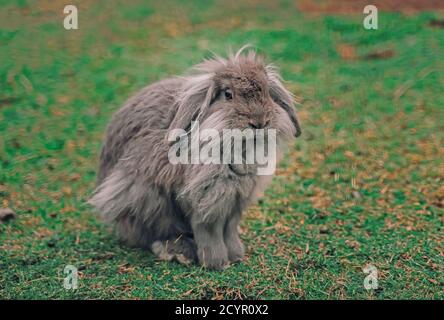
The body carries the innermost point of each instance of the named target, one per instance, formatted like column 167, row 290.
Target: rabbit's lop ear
column 196, row 96
column 282, row 97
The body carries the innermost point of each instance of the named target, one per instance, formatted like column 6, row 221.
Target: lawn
column 362, row 185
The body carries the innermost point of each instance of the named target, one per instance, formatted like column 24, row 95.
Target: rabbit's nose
column 259, row 124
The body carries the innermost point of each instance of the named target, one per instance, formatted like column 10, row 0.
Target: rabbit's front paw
column 215, row 258
column 236, row 250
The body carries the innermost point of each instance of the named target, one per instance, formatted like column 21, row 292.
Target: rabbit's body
column 187, row 212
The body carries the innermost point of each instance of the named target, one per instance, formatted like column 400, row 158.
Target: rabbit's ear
column 282, row 97
column 196, row 97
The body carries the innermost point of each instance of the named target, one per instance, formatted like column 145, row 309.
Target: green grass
column 364, row 183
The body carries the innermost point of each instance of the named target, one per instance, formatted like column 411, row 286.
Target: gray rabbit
column 190, row 213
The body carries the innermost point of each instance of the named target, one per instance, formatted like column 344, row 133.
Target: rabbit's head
column 236, row 93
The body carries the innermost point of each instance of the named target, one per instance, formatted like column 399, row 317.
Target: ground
column 363, row 185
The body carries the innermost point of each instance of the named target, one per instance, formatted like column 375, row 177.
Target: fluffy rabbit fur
column 189, row 213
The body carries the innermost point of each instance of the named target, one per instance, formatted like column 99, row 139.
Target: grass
column 363, row 185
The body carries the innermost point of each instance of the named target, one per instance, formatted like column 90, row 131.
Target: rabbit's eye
column 228, row 94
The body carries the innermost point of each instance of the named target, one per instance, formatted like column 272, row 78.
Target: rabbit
column 190, row 213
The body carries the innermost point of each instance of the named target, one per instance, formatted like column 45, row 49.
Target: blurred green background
column 363, row 185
